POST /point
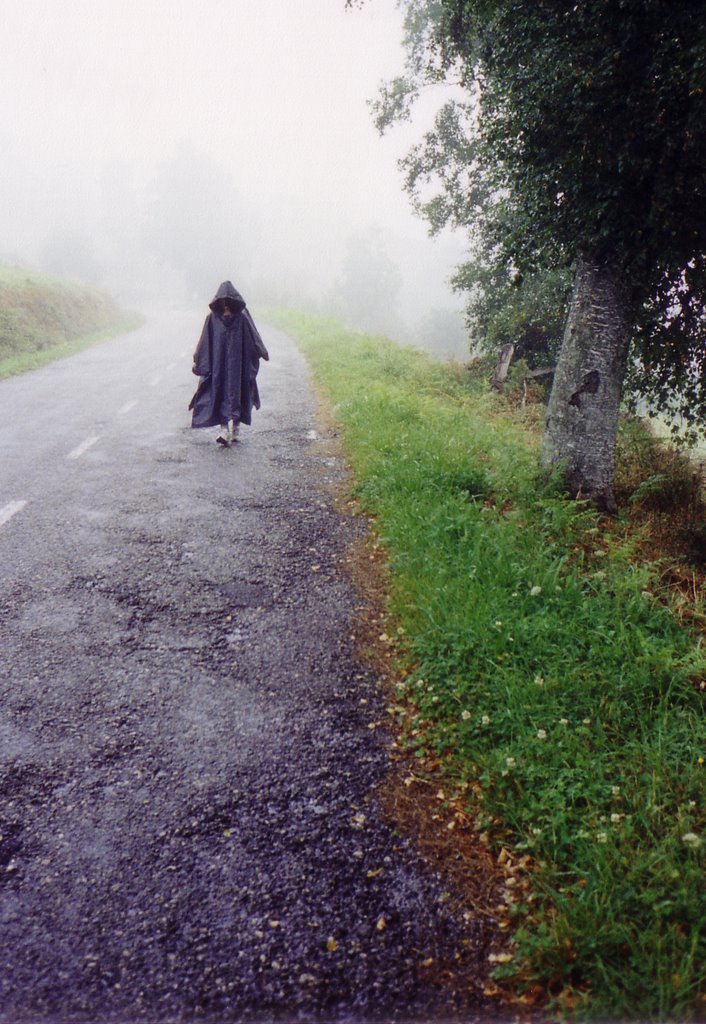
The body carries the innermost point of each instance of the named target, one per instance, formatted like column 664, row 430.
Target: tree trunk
column 582, row 417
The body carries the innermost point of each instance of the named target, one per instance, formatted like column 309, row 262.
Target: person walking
column 227, row 359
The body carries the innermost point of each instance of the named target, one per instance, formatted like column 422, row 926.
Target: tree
column 581, row 145
column 69, row 253
column 196, row 222
column 528, row 311
column 367, row 290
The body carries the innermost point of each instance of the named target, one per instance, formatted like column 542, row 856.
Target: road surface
column 186, row 769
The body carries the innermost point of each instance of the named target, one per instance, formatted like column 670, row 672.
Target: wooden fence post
column 503, row 365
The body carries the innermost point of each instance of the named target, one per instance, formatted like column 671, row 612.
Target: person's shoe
column 224, row 437
column 233, row 430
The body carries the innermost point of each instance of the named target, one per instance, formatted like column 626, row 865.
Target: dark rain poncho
column 227, row 359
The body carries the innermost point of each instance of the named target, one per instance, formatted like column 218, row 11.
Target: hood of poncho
column 227, row 291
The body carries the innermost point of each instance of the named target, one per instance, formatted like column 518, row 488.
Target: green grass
column 545, row 666
column 43, row 319
column 13, row 365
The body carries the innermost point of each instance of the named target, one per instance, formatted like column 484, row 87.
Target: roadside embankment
column 43, row 318
column 549, row 678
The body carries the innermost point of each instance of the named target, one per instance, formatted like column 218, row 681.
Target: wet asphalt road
column 186, row 769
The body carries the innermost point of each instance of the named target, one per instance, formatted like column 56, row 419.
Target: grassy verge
column 43, row 319
column 13, row 365
column 547, row 668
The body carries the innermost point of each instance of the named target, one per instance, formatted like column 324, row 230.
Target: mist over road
column 186, row 767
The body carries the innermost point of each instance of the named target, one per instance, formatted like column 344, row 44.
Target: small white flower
column 691, row 839
column 465, row 715
column 535, row 591
column 435, row 700
column 485, row 720
column 541, row 734
column 510, row 762
column 602, row 837
column 563, row 721
column 691, row 803
column 615, row 818
column 498, row 623
column 587, row 721
column 539, row 680
column 615, row 790
column 515, row 594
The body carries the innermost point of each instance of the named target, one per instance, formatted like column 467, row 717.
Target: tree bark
column 582, row 416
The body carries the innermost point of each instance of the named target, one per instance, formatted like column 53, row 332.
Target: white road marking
column 10, row 510
column 128, row 407
column 83, row 447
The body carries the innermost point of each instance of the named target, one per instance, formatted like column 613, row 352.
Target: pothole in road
column 247, row 595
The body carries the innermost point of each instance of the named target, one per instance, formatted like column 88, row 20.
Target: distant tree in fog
column 68, row 253
column 444, row 332
column 367, row 291
column 196, row 222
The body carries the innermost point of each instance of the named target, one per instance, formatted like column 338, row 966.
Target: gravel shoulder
column 188, row 780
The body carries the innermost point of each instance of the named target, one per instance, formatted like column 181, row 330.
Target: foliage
column 528, row 312
column 547, row 667
column 580, row 131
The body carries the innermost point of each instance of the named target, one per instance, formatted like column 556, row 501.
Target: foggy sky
column 272, row 91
